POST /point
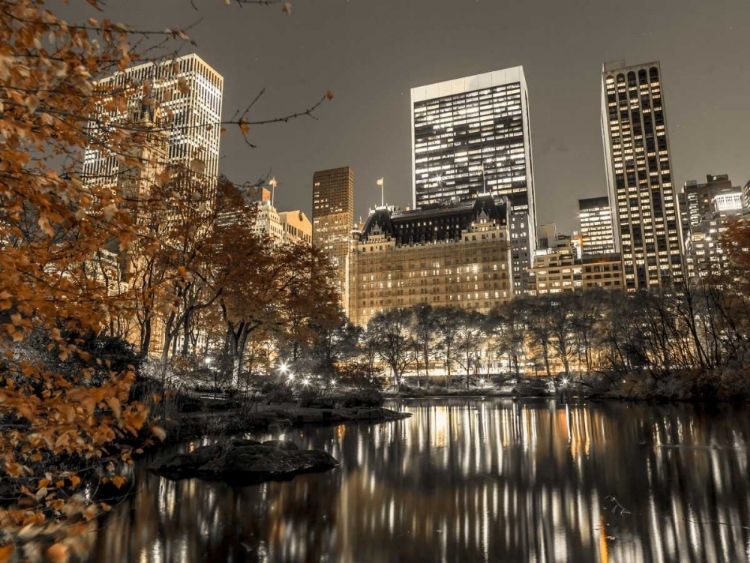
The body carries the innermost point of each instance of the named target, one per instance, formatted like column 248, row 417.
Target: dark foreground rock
column 244, row 462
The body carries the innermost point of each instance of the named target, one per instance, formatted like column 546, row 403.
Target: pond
column 469, row 479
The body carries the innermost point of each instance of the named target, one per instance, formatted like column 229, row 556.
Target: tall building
column 188, row 93
column 268, row 222
column 639, row 175
column 705, row 252
column 454, row 254
column 333, row 218
column 699, row 198
column 595, row 217
column 471, row 136
column 746, row 196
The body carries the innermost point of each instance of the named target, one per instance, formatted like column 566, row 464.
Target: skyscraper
column 333, row 219
column 188, row 93
column 472, row 136
column 639, row 175
column 595, row 216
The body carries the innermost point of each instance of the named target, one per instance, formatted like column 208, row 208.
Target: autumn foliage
column 51, row 227
column 146, row 259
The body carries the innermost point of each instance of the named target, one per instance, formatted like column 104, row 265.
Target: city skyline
column 562, row 65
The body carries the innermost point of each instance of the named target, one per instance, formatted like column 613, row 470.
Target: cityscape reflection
column 470, row 480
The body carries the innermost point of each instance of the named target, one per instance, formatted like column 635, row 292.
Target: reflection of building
column 456, row 254
column 595, row 216
column 639, row 174
column 472, row 136
column 333, row 217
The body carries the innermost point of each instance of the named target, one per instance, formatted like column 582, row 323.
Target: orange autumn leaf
column 6, row 552
column 118, row 481
column 159, row 432
column 58, row 553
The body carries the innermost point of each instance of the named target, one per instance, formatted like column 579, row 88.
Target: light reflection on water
column 470, row 480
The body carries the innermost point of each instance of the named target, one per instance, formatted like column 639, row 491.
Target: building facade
column 639, row 175
column 700, row 198
column 561, row 270
column 268, row 222
column 597, row 234
column 471, row 136
column 333, row 219
column 296, row 227
column 188, row 94
column 455, row 254
column 556, row 271
column 602, row 271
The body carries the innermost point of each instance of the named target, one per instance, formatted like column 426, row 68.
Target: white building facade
column 471, row 136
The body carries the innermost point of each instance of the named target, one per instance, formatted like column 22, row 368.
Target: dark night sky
column 371, row 52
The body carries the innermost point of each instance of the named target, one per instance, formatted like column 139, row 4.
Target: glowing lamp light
column 306, row 381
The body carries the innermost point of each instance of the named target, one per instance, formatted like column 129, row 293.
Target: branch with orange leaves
column 243, row 123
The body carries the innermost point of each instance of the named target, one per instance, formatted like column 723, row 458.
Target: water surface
column 470, row 480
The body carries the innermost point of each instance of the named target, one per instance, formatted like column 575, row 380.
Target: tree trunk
column 145, row 343
column 545, row 351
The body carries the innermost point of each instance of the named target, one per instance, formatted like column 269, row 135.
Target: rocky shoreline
column 272, row 418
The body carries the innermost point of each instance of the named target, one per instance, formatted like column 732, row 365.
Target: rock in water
column 245, row 462
column 281, row 445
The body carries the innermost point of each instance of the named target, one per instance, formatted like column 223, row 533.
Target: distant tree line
column 703, row 325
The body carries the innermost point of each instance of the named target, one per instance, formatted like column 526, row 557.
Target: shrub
column 276, row 392
column 734, row 384
column 308, row 396
column 363, row 398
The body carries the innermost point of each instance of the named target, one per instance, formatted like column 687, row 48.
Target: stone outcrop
column 244, row 462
